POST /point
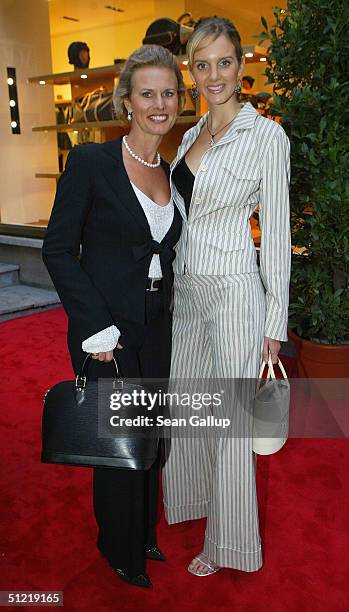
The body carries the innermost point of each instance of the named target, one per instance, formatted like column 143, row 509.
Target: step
column 9, row 274
column 16, row 298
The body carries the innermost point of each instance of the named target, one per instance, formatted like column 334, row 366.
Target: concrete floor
column 20, row 300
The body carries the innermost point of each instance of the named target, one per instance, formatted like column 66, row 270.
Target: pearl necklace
column 139, row 159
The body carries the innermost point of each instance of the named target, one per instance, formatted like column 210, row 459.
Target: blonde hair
column 147, row 55
column 213, row 26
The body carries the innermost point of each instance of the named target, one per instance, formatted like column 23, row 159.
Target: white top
column 160, row 219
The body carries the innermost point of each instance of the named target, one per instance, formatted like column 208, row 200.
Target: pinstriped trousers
column 218, row 332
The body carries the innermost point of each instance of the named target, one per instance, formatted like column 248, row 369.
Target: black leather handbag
column 71, row 424
column 96, row 105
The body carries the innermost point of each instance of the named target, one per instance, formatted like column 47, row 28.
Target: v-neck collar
column 245, row 119
column 144, row 195
column 121, row 184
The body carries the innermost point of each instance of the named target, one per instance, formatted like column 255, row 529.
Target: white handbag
column 271, row 411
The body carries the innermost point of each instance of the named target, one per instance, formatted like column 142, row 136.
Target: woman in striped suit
column 229, row 313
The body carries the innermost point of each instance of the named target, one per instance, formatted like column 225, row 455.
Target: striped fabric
column 218, row 331
column 224, row 305
column 248, row 167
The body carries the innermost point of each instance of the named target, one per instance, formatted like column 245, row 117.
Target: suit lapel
column 188, row 139
column 116, row 175
column 245, row 120
column 178, row 201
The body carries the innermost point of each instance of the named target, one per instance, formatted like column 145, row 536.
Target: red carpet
column 48, row 529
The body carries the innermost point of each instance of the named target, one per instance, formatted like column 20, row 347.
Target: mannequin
column 79, row 54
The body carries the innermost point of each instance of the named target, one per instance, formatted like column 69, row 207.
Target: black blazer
column 95, row 207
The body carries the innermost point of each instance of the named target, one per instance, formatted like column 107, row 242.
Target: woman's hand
column 273, row 347
column 108, row 356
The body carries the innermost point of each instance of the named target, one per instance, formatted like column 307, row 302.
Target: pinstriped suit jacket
column 248, row 167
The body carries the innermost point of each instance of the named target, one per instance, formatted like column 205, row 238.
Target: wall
column 107, row 42
column 25, row 45
column 126, row 30
column 245, row 15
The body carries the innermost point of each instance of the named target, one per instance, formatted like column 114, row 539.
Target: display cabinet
column 77, row 84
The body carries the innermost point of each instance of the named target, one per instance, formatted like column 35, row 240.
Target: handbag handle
column 271, row 373
column 88, row 96
column 80, row 381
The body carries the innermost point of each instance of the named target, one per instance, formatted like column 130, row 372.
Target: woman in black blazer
column 114, row 200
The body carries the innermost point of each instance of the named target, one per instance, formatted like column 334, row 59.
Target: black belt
column 154, row 284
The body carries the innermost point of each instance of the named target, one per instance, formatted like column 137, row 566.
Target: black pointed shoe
column 154, row 553
column 142, row 580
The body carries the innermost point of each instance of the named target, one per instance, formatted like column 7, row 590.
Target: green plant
column 308, row 67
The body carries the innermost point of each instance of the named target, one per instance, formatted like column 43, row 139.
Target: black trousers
column 125, row 501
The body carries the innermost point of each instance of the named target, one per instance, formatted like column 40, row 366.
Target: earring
column 238, row 88
column 129, row 115
column 194, row 91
